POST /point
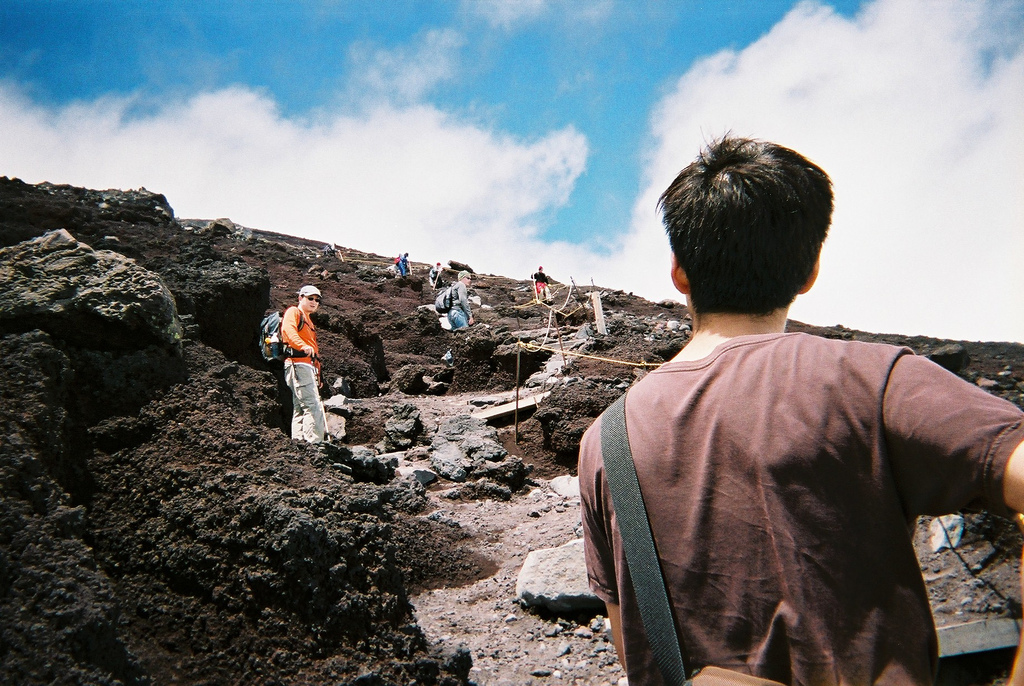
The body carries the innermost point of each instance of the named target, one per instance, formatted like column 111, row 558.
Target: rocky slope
column 157, row 525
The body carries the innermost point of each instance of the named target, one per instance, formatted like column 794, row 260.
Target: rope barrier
column 535, row 347
column 537, row 301
column 560, row 312
column 340, row 254
column 349, row 260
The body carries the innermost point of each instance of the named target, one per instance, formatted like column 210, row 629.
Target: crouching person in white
column 302, row 370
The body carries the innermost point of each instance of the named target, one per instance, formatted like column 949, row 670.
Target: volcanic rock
column 556, row 578
column 953, row 357
column 402, row 427
column 97, row 298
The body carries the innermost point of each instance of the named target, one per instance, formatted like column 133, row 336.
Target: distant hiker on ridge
column 460, row 316
column 434, row 276
column 302, row 373
column 402, row 264
column 540, row 285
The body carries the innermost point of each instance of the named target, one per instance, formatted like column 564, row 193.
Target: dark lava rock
column 460, row 266
column 403, row 427
column 569, row 412
column 953, row 357
column 156, row 524
column 409, row 379
column 28, row 211
column 99, row 299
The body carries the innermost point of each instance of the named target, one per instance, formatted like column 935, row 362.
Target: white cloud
column 389, row 180
column 506, row 13
column 407, row 73
column 916, row 110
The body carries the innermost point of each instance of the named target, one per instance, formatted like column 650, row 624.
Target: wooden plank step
column 979, row 636
column 505, row 409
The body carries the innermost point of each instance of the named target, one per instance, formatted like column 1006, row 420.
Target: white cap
column 309, row 290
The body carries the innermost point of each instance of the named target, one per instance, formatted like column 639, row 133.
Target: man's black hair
column 746, row 221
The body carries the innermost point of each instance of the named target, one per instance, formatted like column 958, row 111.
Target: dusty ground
column 511, row 645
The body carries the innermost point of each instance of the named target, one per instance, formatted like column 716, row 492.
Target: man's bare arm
column 1013, row 495
column 1013, row 480
column 614, row 618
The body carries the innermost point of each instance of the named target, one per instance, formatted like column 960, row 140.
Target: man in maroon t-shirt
column 780, row 471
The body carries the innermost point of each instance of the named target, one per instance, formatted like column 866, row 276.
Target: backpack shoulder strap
column 638, row 542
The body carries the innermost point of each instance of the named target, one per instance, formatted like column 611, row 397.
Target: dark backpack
column 271, row 346
column 443, row 302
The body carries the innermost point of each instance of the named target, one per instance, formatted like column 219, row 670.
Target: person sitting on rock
column 434, row 275
column 302, row 373
column 782, row 473
column 460, row 315
column 540, row 285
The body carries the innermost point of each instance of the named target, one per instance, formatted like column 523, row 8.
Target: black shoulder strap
column 638, row 542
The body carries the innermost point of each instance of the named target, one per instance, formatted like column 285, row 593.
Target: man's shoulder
column 295, row 315
column 816, row 350
column 812, row 361
column 799, row 348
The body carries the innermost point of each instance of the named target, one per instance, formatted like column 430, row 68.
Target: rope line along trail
column 530, row 346
column 535, row 346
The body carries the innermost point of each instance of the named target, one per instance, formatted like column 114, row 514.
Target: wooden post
column 519, row 349
column 595, row 296
column 558, row 330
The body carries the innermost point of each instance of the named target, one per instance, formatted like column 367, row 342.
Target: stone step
column 526, row 402
column 979, row 636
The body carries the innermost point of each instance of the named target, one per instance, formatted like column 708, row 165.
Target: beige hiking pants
column 308, row 420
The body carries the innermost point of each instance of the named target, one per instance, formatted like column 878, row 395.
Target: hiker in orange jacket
column 302, row 373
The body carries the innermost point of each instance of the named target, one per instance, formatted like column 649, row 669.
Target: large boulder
column 952, row 356
column 227, row 300
column 465, row 447
column 409, row 379
column 556, row 578
column 114, row 320
column 55, row 599
column 95, row 299
column 224, row 296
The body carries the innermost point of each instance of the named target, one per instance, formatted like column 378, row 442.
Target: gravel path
column 509, row 644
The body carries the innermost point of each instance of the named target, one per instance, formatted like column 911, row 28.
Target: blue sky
column 522, row 71
column 507, row 134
